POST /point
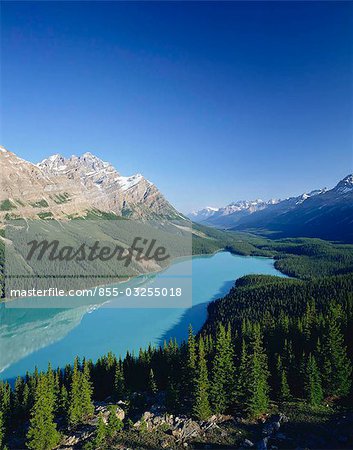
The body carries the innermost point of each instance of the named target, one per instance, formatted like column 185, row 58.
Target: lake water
column 31, row 337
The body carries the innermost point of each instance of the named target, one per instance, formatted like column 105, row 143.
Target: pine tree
column 75, row 413
column 242, row 380
column 191, row 350
column 18, row 397
column 52, row 389
column 190, row 372
column 2, row 430
column 337, row 368
column 86, row 392
column 63, row 401
column 257, row 401
column 284, row 393
column 313, row 388
column 42, row 433
column 223, row 380
column 101, row 433
column 152, row 385
column 201, row 407
column 114, row 423
column 26, row 400
column 6, row 402
column 80, row 403
column 119, row 382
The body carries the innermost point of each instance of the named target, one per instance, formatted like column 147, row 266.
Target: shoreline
column 228, row 270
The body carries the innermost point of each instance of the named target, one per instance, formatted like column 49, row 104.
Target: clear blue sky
column 213, row 102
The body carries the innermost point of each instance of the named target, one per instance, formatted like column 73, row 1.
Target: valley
column 261, row 331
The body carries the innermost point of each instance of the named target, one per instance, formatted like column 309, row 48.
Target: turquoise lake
column 31, row 337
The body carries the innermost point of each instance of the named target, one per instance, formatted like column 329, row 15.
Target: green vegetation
column 42, row 433
column 42, row 203
column 298, row 352
column 45, row 215
column 270, row 341
column 61, row 198
column 95, row 214
column 7, row 205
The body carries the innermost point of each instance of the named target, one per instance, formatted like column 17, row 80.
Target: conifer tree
column 313, row 388
column 119, row 382
column 223, row 380
column 257, row 400
column 242, row 380
column 26, row 400
column 337, row 368
column 86, row 392
column 42, row 433
column 2, row 431
column 201, row 407
column 64, row 401
column 190, row 372
column 80, row 403
column 284, row 393
column 52, row 389
column 75, row 407
column 114, row 423
column 6, row 402
column 101, row 433
column 18, row 397
column 152, row 385
column 191, row 350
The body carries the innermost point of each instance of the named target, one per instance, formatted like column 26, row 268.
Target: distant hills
column 323, row 213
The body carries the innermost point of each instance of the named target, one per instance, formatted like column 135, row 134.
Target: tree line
column 234, row 369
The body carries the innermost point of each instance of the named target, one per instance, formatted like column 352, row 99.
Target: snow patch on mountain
column 345, row 185
column 306, row 195
column 126, row 183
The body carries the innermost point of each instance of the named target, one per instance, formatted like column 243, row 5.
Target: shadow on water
column 194, row 316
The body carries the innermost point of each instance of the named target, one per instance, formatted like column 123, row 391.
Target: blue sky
column 212, row 101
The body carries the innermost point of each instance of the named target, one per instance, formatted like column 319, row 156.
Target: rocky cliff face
column 61, row 187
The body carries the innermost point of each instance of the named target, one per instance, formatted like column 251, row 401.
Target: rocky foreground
column 156, row 429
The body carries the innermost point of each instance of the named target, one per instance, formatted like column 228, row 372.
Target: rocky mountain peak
column 345, row 185
column 70, row 187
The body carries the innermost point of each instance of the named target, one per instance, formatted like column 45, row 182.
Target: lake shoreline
column 58, row 338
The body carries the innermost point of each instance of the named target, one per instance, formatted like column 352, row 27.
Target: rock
column 262, row 444
column 120, row 413
column 77, row 437
column 165, row 444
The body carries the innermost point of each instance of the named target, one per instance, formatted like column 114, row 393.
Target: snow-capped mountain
column 68, row 187
column 325, row 213
column 345, row 186
column 306, row 195
column 230, row 214
column 202, row 214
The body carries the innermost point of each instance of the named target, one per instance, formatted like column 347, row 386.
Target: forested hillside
column 271, row 343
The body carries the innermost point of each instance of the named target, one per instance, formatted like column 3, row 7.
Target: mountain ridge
column 68, row 187
column 325, row 213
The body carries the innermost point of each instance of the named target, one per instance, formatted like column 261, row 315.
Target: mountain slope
column 229, row 215
column 61, row 187
column 327, row 214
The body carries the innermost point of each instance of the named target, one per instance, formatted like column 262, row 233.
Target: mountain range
column 324, row 213
column 59, row 187
column 86, row 186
